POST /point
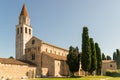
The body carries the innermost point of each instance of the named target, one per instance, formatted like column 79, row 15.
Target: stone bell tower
column 23, row 33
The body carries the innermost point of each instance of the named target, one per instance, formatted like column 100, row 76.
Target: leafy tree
column 108, row 57
column 103, row 56
column 11, row 57
column 93, row 57
column 86, row 51
column 99, row 59
column 73, row 59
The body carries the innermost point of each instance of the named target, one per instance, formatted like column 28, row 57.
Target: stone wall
column 48, row 62
column 108, row 65
column 46, row 65
column 16, row 71
column 53, row 49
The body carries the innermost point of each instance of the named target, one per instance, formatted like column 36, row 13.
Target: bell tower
column 23, row 33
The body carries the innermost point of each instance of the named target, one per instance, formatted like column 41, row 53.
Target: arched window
column 21, row 29
column 33, row 41
column 17, row 30
column 33, row 56
column 25, row 30
column 29, row 31
column 46, row 49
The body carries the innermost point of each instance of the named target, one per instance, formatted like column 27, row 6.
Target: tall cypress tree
column 118, row 58
column 99, row 59
column 86, row 51
column 93, row 57
column 115, row 56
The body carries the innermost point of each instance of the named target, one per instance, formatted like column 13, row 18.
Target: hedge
column 113, row 73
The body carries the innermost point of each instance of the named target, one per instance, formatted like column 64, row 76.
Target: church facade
column 50, row 60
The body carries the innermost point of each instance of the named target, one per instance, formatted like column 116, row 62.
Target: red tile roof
column 11, row 61
column 24, row 11
column 54, row 56
column 107, row 61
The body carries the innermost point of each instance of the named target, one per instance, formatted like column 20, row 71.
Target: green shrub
column 113, row 73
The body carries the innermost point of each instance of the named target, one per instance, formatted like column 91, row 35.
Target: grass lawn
column 82, row 78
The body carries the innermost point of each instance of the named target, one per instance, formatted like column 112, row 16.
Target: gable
column 33, row 42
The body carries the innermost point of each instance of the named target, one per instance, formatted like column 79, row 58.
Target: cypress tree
column 99, row 59
column 115, row 56
column 103, row 56
column 86, row 51
column 118, row 58
column 93, row 57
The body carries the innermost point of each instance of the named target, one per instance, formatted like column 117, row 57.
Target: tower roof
column 24, row 11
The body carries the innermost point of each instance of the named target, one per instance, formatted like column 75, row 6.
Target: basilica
column 34, row 57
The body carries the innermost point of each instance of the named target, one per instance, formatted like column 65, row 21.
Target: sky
column 60, row 22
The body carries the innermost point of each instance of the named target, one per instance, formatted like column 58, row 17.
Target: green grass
column 82, row 78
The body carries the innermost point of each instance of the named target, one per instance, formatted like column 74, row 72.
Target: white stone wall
column 57, row 68
column 16, row 71
column 53, row 49
column 22, row 39
column 108, row 65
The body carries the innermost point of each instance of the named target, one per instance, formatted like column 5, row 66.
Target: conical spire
column 24, row 11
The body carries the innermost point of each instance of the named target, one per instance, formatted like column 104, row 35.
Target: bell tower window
column 29, row 31
column 17, row 30
column 21, row 29
column 25, row 30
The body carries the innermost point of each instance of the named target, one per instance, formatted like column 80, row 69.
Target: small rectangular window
column 46, row 49
column 29, row 31
column 17, row 30
column 21, row 29
column 25, row 30
column 50, row 51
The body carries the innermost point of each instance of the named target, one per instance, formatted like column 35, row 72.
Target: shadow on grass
column 75, row 76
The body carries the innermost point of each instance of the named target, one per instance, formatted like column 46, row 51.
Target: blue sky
column 60, row 22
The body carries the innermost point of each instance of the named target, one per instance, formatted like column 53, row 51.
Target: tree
column 103, row 56
column 118, row 58
column 73, row 59
column 93, row 57
column 86, row 51
column 11, row 57
column 99, row 59
column 108, row 57
column 115, row 56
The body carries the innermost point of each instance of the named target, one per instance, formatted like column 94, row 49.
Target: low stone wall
column 16, row 71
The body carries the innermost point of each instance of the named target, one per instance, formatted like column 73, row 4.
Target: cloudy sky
column 60, row 22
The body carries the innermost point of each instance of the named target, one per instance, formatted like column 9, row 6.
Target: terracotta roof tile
column 24, row 11
column 11, row 61
column 107, row 61
column 54, row 56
